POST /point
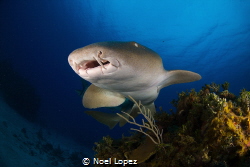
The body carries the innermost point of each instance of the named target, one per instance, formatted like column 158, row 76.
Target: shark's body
column 121, row 69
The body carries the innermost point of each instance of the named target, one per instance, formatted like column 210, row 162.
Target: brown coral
column 210, row 128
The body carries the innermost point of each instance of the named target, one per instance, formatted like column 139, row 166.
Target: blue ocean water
column 211, row 38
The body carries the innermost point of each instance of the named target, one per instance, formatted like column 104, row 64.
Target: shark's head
column 93, row 61
column 112, row 62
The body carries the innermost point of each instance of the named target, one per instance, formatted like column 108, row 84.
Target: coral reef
column 210, row 128
column 149, row 125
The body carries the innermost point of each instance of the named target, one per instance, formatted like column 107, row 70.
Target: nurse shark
column 118, row 70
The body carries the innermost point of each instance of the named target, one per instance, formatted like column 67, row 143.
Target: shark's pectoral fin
column 178, row 76
column 95, row 97
column 109, row 119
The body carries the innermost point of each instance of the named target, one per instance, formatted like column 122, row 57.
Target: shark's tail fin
column 111, row 119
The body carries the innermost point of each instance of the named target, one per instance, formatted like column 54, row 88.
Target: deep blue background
column 211, row 38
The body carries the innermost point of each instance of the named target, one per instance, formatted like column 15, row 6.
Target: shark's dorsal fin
column 178, row 76
column 95, row 97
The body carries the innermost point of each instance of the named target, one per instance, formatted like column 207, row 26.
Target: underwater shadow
column 17, row 92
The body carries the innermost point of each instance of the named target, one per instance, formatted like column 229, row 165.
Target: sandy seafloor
column 24, row 144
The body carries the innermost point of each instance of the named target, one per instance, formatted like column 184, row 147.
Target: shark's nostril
column 100, row 53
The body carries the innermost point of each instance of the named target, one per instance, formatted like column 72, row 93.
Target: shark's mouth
column 96, row 67
column 93, row 64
